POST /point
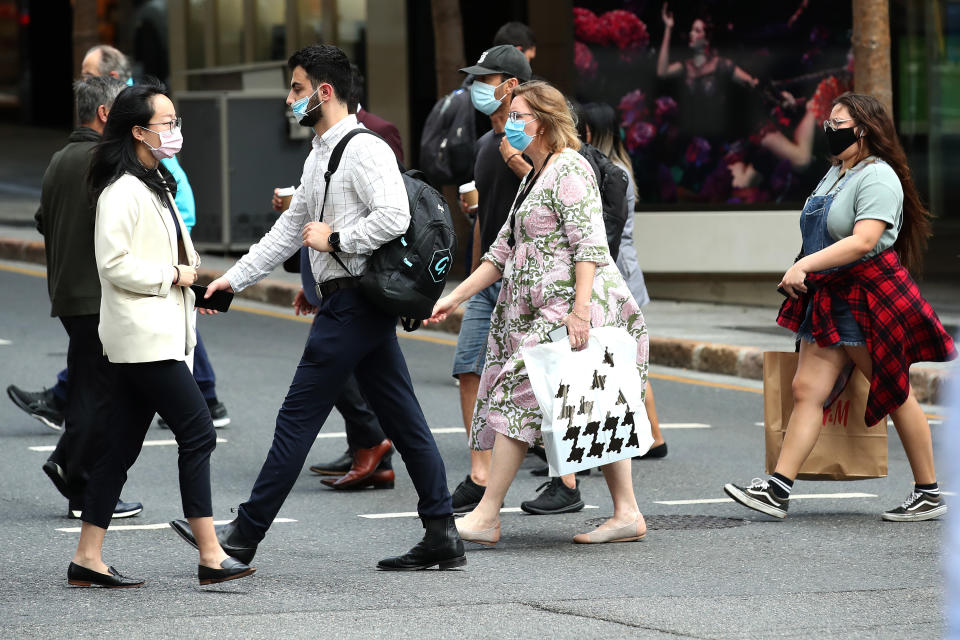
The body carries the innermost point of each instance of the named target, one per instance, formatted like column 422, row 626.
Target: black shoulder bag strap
column 332, row 166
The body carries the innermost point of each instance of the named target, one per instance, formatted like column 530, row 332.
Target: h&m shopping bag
column 847, row 448
column 592, row 400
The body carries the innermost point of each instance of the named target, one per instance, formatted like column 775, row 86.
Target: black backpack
column 405, row 277
column 613, row 184
column 449, row 134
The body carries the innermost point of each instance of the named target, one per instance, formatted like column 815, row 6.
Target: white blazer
column 143, row 318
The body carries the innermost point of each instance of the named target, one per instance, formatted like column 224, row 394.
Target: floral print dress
column 560, row 223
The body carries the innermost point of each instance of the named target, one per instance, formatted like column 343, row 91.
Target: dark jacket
column 386, row 129
column 66, row 219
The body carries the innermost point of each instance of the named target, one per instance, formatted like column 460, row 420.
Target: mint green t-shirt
column 873, row 192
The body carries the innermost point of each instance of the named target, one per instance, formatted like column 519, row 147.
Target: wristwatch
column 334, row 241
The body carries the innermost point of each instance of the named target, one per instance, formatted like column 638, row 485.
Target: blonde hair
column 558, row 129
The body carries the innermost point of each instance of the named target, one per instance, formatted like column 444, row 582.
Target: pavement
column 714, row 338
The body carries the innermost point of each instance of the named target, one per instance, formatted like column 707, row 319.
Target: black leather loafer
column 230, row 569
column 227, row 534
column 337, row 467
column 82, row 577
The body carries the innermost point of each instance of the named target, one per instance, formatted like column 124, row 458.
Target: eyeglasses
column 517, row 116
column 834, row 123
column 172, row 125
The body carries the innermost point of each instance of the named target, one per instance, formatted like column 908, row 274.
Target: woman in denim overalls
column 859, row 132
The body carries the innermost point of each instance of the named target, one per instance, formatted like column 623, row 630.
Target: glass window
column 198, row 12
column 230, row 31
column 271, row 41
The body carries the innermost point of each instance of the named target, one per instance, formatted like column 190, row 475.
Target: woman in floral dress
column 553, row 257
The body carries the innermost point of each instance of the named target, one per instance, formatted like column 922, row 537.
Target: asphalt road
column 706, row 570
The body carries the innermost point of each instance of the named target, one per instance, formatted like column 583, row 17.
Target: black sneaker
column 918, row 506
column 122, row 510
column 218, row 411
column 760, row 497
column 556, row 498
column 467, row 496
column 42, row 405
column 542, row 472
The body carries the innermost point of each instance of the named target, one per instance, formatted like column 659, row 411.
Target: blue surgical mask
column 516, row 135
column 300, row 106
column 482, row 96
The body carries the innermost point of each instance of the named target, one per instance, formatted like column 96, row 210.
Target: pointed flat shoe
column 230, row 569
column 488, row 537
column 631, row 532
column 82, row 577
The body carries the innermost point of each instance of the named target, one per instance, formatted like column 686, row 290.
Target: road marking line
column 414, row 514
column 802, row 496
column 948, row 493
column 684, row 425
column 146, row 527
column 27, row 271
column 146, row 443
column 3, row 342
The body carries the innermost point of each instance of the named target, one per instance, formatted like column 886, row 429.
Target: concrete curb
column 733, row 360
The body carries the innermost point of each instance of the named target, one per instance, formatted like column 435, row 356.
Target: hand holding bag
column 592, row 400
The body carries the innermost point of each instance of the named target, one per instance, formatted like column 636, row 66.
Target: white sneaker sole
column 751, row 502
column 915, row 517
column 219, row 423
column 116, row 514
column 47, row 422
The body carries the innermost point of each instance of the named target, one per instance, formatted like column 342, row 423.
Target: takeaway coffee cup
column 469, row 194
column 285, row 194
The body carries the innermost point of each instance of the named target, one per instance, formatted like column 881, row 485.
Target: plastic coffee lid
column 468, row 187
column 286, row 191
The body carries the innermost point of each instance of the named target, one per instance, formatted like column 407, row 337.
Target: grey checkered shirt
column 367, row 205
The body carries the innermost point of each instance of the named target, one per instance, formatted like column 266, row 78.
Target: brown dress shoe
column 365, row 462
column 380, row 479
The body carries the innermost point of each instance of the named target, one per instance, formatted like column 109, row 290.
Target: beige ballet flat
column 488, row 537
column 636, row 530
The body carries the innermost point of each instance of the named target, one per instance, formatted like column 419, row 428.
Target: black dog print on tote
column 610, row 424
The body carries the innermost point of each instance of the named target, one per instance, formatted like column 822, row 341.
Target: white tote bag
column 591, row 400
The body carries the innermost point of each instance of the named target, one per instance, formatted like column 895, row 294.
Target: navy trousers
column 348, row 335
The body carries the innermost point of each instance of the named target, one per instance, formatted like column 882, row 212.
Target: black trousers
column 88, row 402
column 362, row 427
column 348, row 335
column 140, row 391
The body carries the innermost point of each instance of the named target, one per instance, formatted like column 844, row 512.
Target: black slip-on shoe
column 82, row 577
column 659, row 451
column 337, row 467
column 227, row 535
column 230, row 569
column 57, row 476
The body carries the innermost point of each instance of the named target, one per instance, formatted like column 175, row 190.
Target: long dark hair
column 880, row 138
column 116, row 154
column 601, row 118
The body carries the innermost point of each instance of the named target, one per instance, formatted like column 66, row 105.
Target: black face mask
column 838, row 141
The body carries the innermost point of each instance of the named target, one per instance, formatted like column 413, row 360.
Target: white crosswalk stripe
column 148, row 527
column 146, row 443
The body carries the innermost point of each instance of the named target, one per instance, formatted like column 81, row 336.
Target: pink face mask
column 170, row 143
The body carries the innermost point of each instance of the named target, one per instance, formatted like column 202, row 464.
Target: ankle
column 781, row 485
column 570, row 482
column 479, row 478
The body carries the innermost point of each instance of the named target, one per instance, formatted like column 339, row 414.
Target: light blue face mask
column 516, row 134
column 300, row 106
column 482, row 96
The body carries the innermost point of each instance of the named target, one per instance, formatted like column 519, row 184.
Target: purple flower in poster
column 698, row 152
column 668, row 186
column 583, row 60
column 632, row 107
column 717, row 185
column 664, row 107
column 639, row 135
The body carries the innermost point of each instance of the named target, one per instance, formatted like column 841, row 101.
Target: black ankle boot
column 441, row 547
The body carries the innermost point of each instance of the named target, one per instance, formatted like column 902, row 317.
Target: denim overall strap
column 813, row 220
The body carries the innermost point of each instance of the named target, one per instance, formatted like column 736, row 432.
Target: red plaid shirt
column 900, row 327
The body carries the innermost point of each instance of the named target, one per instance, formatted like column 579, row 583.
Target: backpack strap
column 332, row 166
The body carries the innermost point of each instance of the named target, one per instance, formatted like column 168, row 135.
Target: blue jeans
column 847, row 327
column 471, row 351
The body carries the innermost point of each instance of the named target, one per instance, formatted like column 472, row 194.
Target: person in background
column 553, row 258
column 65, row 219
column 852, row 303
column 598, row 126
column 518, row 35
column 146, row 264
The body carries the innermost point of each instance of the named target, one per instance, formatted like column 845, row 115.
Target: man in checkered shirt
column 366, row 208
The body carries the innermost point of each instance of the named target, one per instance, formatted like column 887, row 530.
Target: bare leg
column 620, row 482
column 569, row 480
column 211, row 555
column 816, row 374
column 911, row 423
column 88, row 554
column 507, row 457
column 479, row 460
column 651, row 406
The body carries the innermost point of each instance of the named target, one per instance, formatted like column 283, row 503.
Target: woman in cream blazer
column 146, row 264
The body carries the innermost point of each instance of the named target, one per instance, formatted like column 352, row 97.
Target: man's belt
column 336, row 284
